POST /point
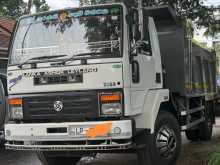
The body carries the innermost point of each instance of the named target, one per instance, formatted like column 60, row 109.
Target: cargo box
column 189, row 70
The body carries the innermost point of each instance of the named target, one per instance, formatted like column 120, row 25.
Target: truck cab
column 92, row 80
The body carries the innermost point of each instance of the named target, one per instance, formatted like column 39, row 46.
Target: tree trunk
column 29, row 5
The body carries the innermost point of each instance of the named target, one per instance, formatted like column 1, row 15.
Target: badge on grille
column 58, row 106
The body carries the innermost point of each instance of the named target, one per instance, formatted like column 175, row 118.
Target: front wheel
column 49, row 160
column 165, row 144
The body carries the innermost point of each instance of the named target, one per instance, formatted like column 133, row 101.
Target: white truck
column 107, row 78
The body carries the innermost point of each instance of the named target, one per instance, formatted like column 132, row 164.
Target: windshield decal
column 96, row 12
column 76, row 14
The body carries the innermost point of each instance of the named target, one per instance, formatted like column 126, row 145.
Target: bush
column 214, row 159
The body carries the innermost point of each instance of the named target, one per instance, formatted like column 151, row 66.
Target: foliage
column 214, row 159
column 16, row 8
column 195, row 10
column 12, row 8
column 41, row 5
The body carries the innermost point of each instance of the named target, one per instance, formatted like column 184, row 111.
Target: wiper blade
column 80, row 56
column 36, row 59
column 25, row 35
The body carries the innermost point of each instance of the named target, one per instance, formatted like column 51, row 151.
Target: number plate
column 77, row 131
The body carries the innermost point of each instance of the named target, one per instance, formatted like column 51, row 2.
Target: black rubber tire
column 192, row 135
column 46, row 160
column 151, row 155
column 205, row 130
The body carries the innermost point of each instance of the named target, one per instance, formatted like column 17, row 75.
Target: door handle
column 158, row 78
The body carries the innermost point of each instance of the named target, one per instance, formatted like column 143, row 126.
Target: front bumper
column 104, row 135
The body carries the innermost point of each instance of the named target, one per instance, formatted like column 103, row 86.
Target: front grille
column 58, row 79
column 76, row 106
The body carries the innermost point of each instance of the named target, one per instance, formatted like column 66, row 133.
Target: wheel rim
column 166, row 142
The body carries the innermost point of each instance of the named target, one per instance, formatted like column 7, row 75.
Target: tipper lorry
column 116, row 77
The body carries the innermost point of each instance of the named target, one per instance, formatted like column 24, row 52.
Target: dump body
column 189, row 70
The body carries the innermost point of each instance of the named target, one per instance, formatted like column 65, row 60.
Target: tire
column 192, row 135
column 167, row 130
column 47, row 160
column 205, row 130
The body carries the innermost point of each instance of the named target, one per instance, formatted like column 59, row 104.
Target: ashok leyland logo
column 58, row 106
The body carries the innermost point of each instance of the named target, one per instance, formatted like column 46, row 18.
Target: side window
column 146, row 49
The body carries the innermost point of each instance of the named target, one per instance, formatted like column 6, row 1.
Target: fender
column 151, row 107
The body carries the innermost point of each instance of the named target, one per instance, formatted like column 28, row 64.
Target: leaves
column 41, row 5
column 214, row 159
column 196, row 11
column 12, row 8
column 17, row 8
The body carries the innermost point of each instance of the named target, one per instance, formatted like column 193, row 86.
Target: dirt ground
column 198, row 153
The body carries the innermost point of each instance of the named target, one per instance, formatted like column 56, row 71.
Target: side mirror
column 135, row 72
column 137, row 33
column 144, row 47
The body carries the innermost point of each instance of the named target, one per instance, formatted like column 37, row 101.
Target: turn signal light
column 15, row 101
column 111, row 97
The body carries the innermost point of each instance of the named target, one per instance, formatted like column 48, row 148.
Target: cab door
column 149, row 68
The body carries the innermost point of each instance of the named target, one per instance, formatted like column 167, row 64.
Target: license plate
column 92, row 131
column 77, row 131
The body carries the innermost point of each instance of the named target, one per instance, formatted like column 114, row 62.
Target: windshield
column 89, row 31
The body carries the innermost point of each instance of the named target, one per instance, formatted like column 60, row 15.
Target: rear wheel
column 49, row 160
column 204, row 130
column 192, row 135
column 165, row 145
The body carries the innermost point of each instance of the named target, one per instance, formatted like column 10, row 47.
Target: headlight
column 111, row 104
column 15, row 109
column 111, row 109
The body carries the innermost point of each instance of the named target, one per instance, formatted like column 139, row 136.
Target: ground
column 192, row 154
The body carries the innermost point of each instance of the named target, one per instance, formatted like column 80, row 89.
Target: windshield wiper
column 36, row 59
column 25, row 35
column 80, row 56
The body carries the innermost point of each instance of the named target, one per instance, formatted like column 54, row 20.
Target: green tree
column 194, row 10
column 12, row 8
column 16, row 8
column 39, row 5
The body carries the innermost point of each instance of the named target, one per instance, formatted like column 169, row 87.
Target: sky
column 58, row 4
column 212, row 2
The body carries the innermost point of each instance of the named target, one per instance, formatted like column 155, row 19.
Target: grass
column 214, row 159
